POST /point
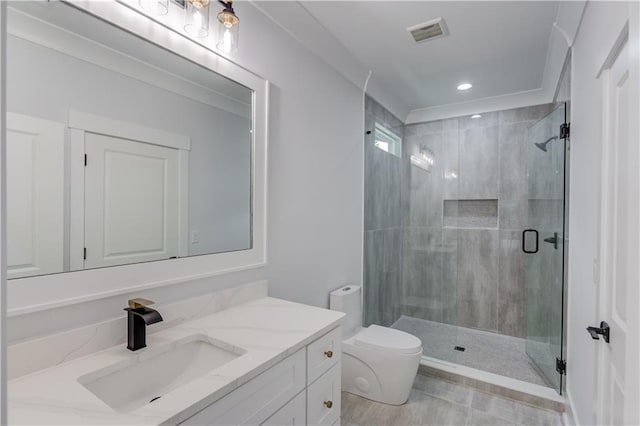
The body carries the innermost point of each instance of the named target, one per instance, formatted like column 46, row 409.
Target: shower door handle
column 555, row 240
column 524, row 241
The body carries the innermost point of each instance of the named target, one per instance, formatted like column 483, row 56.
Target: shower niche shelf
column 478, row 214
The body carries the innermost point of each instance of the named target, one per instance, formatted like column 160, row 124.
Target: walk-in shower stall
column 465, row 237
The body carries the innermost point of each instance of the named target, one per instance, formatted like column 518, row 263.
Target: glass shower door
column 543, row 243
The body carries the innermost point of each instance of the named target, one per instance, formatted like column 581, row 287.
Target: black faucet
column 139, row 316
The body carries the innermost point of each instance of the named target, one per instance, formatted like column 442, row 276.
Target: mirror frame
column 33, row 294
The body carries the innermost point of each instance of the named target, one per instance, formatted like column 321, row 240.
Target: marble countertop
column 268, row 329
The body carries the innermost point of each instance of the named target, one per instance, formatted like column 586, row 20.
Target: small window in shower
column 387, row 141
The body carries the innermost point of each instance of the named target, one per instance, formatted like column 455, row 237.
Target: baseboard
column 569, row 417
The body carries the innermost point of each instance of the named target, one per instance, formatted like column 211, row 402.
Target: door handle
column 524, row 238
column 603, row 331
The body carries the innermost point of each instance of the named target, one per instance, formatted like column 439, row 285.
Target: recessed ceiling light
column 476, row 116
column 465, row 86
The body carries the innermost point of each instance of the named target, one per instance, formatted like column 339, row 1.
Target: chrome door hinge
column 565, row 130
column 561, row 366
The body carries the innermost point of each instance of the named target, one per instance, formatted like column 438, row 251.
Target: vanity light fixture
column 196, row 18
column 464, row 86
column 155, row 7
column 228, row 28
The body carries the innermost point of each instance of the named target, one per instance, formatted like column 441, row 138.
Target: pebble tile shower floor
column 495, row 353
column 434, row 401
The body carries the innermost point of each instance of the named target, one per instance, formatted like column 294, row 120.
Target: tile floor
column 438, row 402
column 495, row 353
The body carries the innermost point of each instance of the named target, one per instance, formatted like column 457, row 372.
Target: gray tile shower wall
column 477, row 283
column 478, row 163
column 383, row 270
column 383, row 217
column 444, row 244
column 427, row 294
column 427, row 285
column 424, row 188
column 513, row 175
column 512, row 298
column 459, row 266
column 383, row 173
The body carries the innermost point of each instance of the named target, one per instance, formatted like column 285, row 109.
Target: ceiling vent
column 428, row 30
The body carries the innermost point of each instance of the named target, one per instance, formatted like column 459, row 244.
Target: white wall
column 315, row 165
column 304, row 27
column 601, row 25
column 315, row 184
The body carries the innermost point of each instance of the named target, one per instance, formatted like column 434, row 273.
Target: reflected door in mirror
column 131, row 201
column 35, row 196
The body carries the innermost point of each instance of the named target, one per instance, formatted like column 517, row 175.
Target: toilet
column 378, row 363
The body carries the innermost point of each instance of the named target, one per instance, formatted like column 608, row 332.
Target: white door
column 35, row 196
column 619, row 247
column 131, row 201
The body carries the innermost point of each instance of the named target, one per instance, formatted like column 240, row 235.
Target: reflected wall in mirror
column 118, row 151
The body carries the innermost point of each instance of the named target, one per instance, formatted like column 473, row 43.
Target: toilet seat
column 388, row 340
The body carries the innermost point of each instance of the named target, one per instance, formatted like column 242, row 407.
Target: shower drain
column 459, row 348
column 153, row 399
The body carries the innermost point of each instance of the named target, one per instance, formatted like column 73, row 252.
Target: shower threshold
column 536, row 395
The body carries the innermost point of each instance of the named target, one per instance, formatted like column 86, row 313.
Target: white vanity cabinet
column 302, row 389
column 292, row 414
column 323, row 398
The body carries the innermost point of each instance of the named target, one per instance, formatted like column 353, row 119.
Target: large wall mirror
column 118, row 150
column 136, row 157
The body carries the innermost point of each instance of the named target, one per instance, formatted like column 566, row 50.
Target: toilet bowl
column 378, row 363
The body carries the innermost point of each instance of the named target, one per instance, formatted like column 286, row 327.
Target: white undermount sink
column 131, row 384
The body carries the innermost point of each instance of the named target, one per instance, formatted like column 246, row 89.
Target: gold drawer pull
column 329, row 404
column 329, row 354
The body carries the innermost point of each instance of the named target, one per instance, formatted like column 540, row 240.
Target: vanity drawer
column 292, row 414
column 323, row 354
column 255, row 401
column 323, row 398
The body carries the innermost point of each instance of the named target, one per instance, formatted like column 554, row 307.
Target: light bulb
column 197, row 19
column 228, row 24
column 227, row 41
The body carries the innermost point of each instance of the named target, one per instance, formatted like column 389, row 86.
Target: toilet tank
column 347, row 299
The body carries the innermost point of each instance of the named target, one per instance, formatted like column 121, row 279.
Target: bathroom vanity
column 178, row 135
column 265, row 361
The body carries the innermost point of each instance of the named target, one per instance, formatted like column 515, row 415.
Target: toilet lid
column 389, row 339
